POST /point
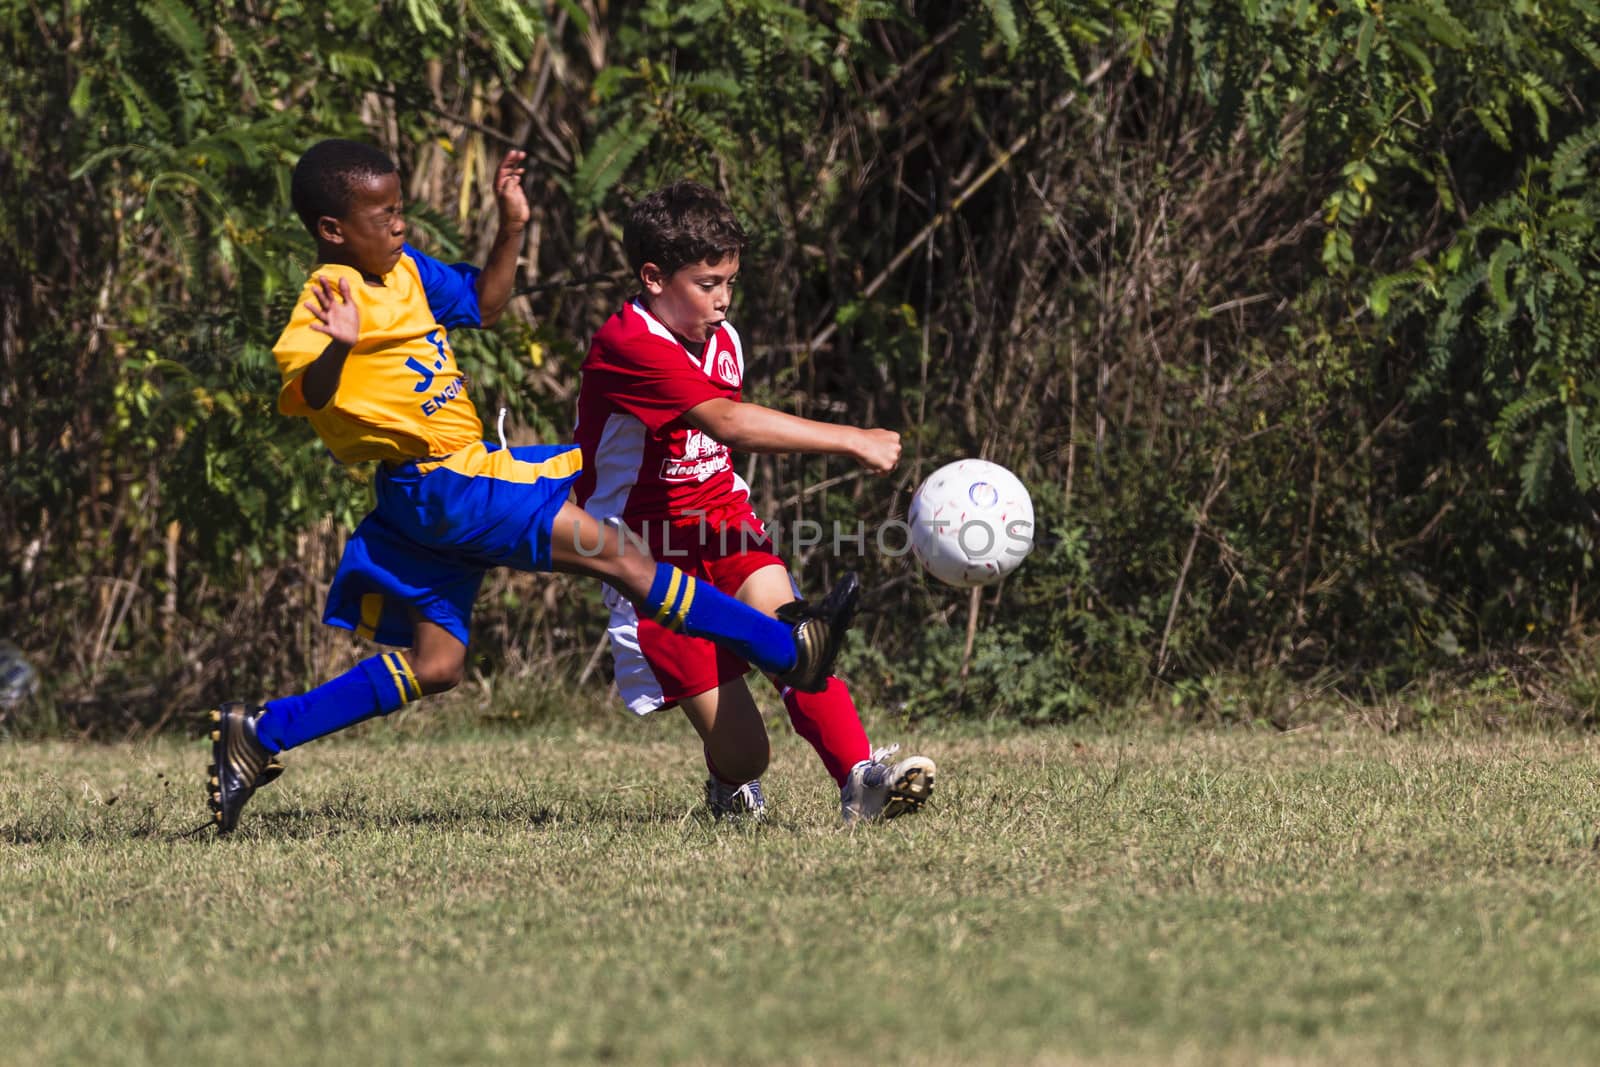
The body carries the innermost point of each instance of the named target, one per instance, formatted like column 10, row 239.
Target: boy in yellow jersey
column 366, row 358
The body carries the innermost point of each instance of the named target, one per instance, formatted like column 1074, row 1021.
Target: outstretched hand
column 336, row 312
column 879, row 450
column 508, row 193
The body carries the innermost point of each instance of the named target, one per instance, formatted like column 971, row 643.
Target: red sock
column 829, row 721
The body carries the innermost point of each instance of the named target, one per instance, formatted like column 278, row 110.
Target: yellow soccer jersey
column 401, row 395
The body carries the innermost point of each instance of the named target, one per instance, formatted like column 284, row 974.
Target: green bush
column 1286, row 312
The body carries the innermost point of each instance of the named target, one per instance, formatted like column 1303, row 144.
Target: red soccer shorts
column 655, row 667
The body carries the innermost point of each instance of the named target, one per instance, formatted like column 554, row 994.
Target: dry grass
column 554, row 895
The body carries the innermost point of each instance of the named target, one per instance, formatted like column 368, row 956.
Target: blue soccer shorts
column 438, row 527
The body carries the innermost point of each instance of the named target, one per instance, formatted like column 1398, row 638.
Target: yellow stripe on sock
column 683, row 609
column 391, row 660
column 672, row 594
column 395, row 675
column 416, row 690
column 371, row 613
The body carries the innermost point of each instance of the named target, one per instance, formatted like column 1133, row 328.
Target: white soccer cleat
column 878, row 789
column 735, row 801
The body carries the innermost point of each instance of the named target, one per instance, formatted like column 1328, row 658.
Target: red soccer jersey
column 641, row 462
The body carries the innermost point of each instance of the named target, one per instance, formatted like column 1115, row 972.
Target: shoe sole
column 909, row 792
column 215, row 799
column 838, row 611
column 219, row 753
column 844, row 617
column 269, row 774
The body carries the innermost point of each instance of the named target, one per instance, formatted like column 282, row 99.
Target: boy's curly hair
column 325, row 178
column 680, row 224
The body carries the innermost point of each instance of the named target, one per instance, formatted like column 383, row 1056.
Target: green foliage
column 1513, row 307
column 1285, row 311
column 157, row 224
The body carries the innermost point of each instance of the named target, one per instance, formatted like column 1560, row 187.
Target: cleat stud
column 216, row 735
column 215, row 781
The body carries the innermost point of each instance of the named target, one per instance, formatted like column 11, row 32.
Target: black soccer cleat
column 819, row 634
column 240, row 764
column 270, row 773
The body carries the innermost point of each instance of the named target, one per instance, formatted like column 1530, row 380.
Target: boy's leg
column 730, row 726
column 828, row 720
column 870, row 785
column 375, row 686
column 244, row 739
column 798, row 649
column 656, row 668
column 736, row 746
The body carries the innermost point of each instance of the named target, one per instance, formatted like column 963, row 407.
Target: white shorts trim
column 636, row 682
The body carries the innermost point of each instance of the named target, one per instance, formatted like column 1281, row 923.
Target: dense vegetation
column 1286, row 312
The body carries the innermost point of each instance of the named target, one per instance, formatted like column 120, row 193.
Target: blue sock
column 374, row 686
column 700, row 609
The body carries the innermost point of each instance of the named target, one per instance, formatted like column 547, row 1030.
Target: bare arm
column 337, row 317
column 753, row 428
column 500, row 272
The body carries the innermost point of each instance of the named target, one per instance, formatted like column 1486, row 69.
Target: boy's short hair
column 680, row 224
column 324, row 180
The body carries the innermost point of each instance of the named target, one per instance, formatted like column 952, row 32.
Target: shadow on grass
column 340, row 816
column 349, row 815
column 148, row 822
column 346, row 814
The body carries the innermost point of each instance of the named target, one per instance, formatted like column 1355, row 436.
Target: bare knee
column 438, row 659
column 438, row 673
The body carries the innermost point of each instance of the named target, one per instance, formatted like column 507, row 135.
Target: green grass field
column 555, row 895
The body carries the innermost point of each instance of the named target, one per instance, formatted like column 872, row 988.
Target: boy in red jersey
column 659, row 409
column 366, row 359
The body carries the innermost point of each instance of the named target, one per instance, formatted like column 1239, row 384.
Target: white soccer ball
column 971, row 523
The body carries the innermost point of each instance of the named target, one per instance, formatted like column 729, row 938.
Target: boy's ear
column 654, row 278
column 329, row 230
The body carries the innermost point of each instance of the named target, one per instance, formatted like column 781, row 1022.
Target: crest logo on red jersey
column 703, row 456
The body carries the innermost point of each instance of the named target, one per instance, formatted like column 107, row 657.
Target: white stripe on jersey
column 617, row 460
column 738, row 346
column 707, row 358
column 654, row 325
